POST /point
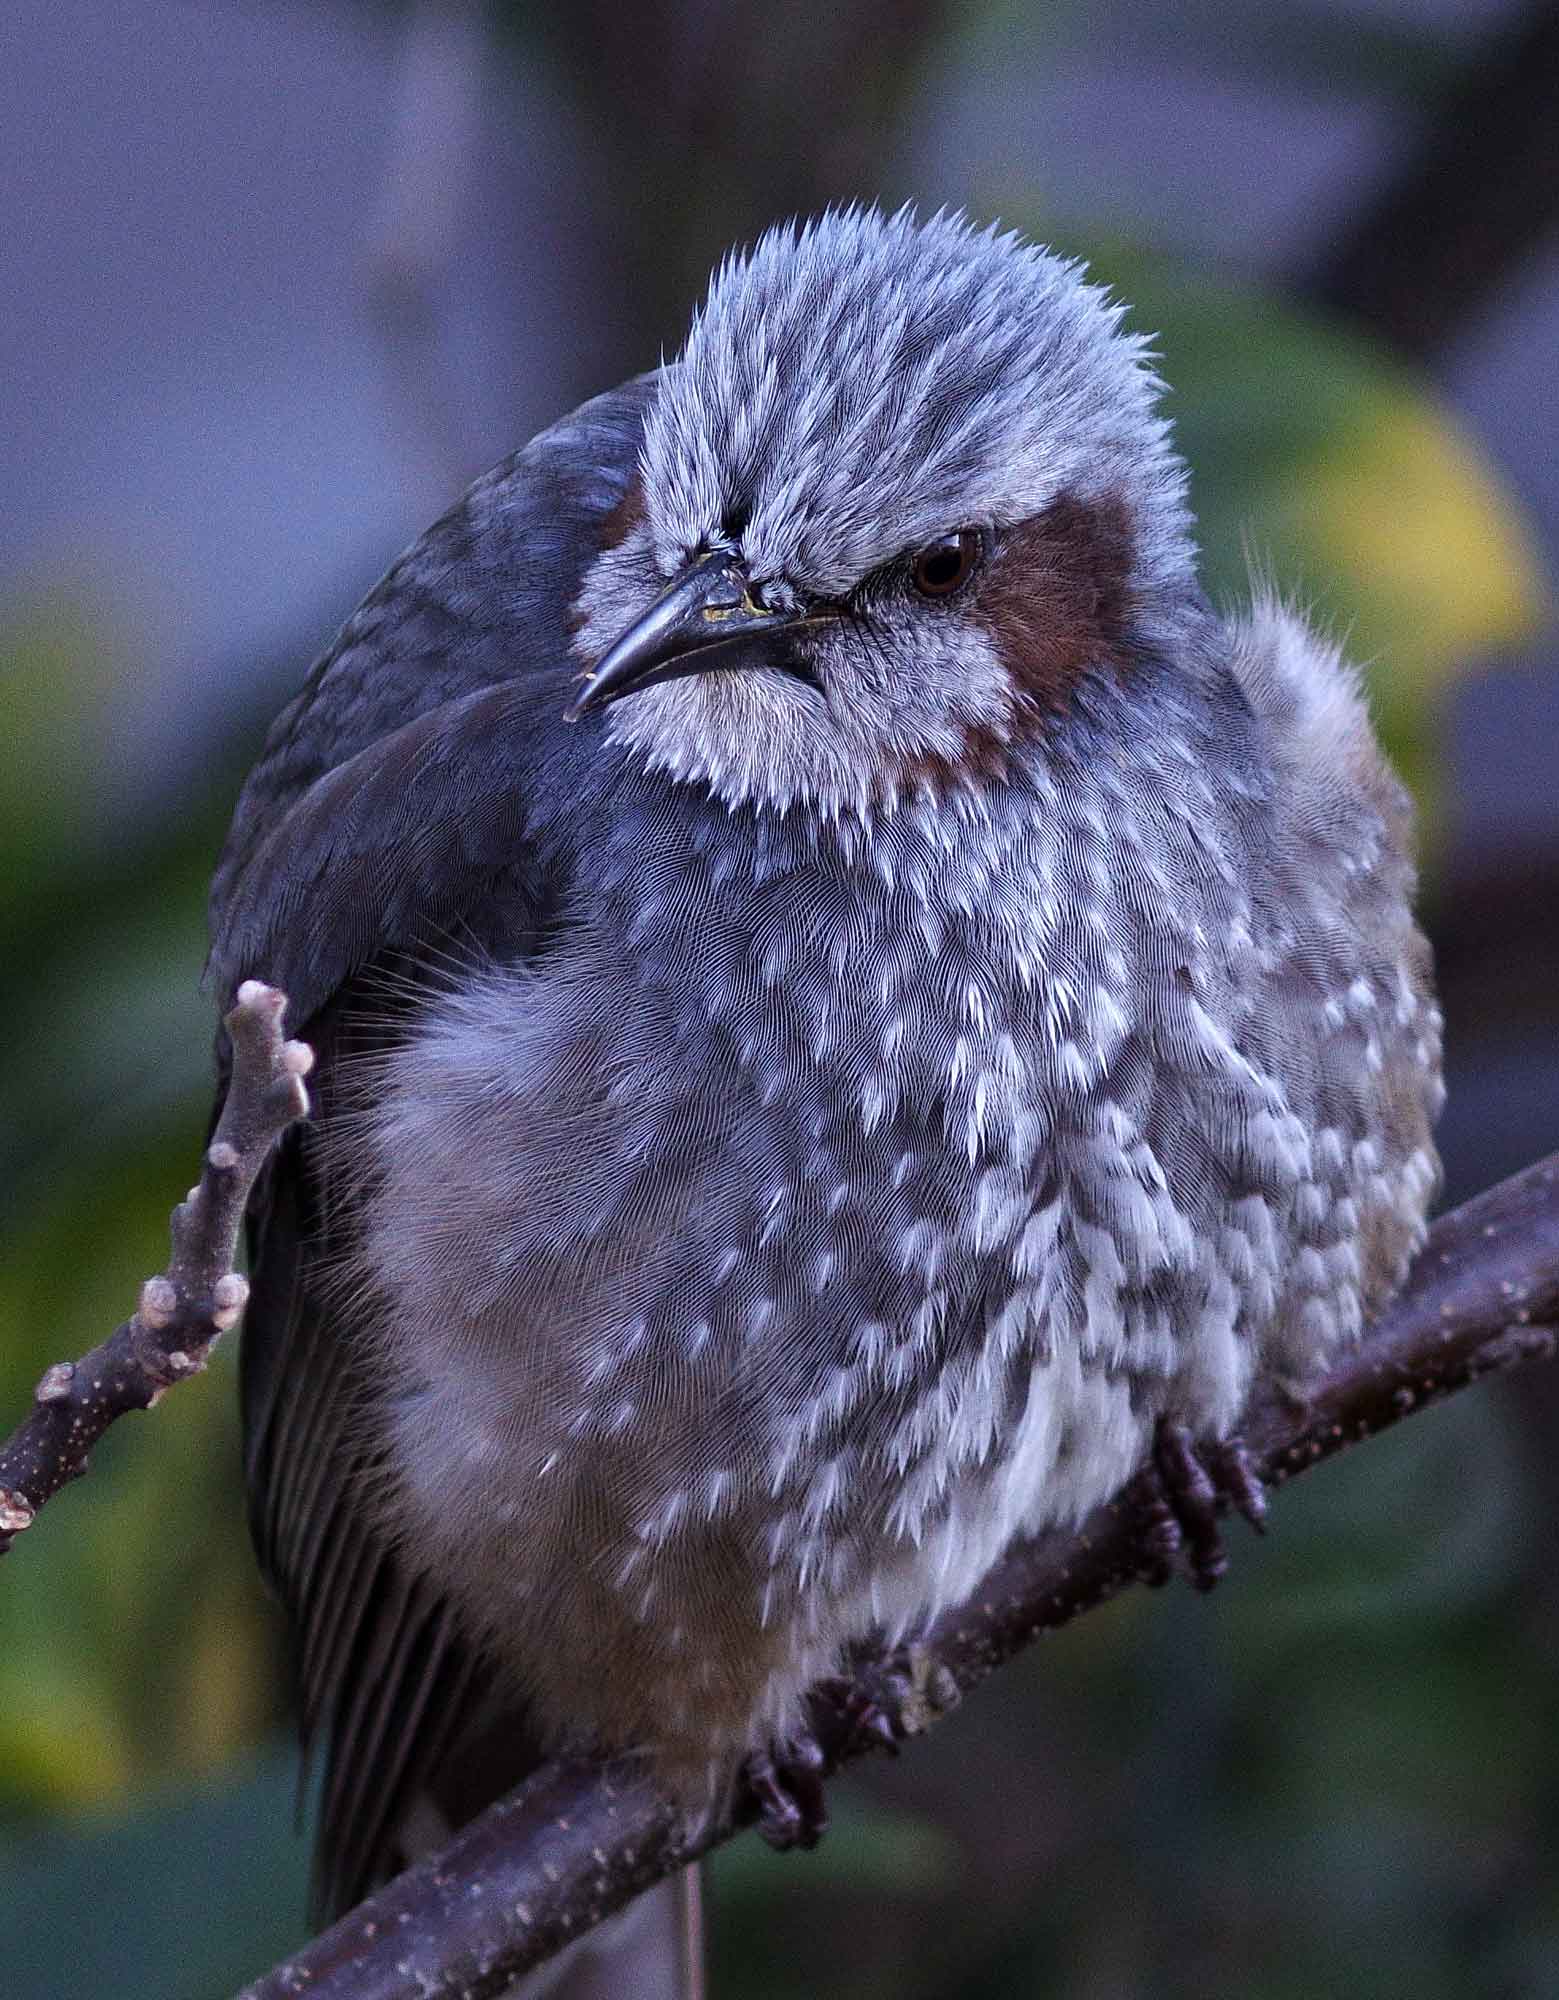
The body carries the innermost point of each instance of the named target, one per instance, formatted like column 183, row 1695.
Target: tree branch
column 198, row 1297
column 576, row 1841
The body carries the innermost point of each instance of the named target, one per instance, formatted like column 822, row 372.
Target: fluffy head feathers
column 859, row 384
column 854, row 389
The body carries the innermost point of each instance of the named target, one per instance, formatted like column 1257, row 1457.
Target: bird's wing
column 390, row 818
column 481, row 599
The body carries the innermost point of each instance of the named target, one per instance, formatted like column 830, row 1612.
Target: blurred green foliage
column 138, row 1650
column 1333, row 1778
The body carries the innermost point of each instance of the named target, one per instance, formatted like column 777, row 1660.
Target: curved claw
column 1235, row 1475
column 786, row 1783
column 889, row 1698
column 1190, row 1485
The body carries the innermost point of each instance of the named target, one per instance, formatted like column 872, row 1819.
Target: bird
column 855, row 1011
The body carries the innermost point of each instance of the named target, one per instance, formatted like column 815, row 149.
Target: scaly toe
column 887, row 1699
column 786, row 1782
column 1194, row 1483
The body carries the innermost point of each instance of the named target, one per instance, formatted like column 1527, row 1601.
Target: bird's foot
column 786, row 1784
column 1184, row 1490
column 884, row 1699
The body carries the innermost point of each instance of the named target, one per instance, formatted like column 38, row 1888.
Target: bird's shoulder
column 387, row 784
column 1331, row 777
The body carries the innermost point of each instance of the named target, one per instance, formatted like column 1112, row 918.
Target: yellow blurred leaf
column 1352, row 484
column 61, row 1745
column 1430, row 566
column 1441, row 564
column 227, row 1691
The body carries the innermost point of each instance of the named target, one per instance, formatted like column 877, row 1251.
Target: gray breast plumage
column 830, row 1200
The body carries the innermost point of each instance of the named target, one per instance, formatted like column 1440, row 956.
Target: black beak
column 693, row 627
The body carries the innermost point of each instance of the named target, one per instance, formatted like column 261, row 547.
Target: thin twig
column 198, row 1297
column 576, row 1841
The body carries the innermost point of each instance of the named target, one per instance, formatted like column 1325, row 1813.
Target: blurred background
column 276, row 278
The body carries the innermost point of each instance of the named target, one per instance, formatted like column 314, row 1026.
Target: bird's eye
column 947, row 564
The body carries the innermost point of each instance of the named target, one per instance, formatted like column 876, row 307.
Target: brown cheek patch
column 1056, row 596
column 620, row 523
column 616, row 526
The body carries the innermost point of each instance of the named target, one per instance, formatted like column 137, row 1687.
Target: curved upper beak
column 706, row 608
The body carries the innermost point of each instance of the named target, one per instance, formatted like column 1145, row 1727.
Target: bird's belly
column 718, row 1343
column 690, row 1371
column 674, row 1572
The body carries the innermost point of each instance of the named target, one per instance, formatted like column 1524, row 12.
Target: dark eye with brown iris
column 944, row 566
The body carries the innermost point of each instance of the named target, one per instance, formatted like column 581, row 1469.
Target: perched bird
column 849, row 1003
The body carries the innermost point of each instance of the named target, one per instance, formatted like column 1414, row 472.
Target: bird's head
column 904, row 488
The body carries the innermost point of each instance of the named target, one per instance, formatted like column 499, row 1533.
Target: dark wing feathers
column 384, row 851
column 384, row 1746
column 481, row 599
column 388, row 813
